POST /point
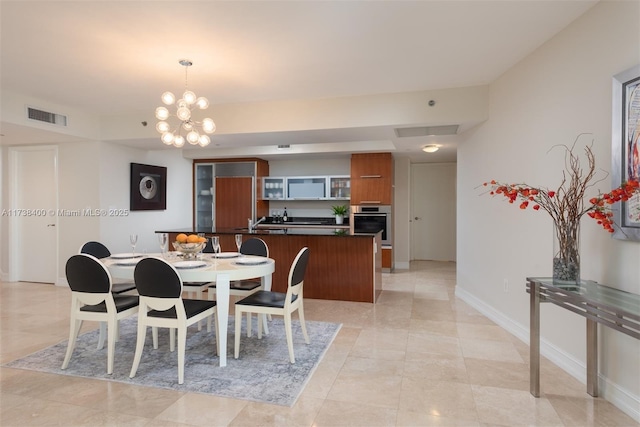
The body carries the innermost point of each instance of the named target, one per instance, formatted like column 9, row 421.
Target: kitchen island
column 341, row 266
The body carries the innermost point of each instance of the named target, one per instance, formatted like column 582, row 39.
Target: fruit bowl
column 189, row 250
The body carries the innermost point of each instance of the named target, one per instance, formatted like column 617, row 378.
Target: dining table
column 205, row 269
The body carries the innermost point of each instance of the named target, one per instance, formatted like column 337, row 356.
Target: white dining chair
column 92, row 299
column 277, row 303
column 162, row 306
column 243, row 288
column 100, row 251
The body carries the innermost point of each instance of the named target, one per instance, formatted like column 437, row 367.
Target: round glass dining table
column 205, row 270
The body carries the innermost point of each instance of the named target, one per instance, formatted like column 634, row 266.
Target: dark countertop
column 295, row 226
column 298, row 231
column 305, row 221
column 309, row 225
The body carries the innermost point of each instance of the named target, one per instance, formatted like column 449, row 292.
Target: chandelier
column 195, row 132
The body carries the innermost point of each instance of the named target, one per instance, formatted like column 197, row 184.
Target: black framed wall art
column 626, row 149
column 148, row 187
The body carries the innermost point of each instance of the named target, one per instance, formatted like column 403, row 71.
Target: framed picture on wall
column 148, row 187
column 626, row 149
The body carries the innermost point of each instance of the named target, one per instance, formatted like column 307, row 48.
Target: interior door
column 433, row 211
column 234, row 201
column 33, row 214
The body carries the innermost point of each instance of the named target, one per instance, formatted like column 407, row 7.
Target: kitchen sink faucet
column 253, row 226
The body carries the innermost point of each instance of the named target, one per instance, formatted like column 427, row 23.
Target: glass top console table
column 611, row 307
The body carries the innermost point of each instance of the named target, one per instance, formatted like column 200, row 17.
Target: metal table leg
column 592, row 357
column 534, row 339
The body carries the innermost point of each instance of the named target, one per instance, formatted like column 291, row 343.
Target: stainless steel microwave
column 366, row 219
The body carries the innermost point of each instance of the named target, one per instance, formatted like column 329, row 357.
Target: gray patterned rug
column 262, row 373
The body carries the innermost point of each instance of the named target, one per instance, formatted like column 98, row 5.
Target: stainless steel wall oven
column 371, row 219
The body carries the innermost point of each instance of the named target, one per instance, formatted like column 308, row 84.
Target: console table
column 611, row 307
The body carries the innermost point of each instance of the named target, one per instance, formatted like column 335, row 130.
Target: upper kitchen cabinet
column 340, row 187
column 273, row 188
column 306, row 188
column 227, row 193
column 372, row 179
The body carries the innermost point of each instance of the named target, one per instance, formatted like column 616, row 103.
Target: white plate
column 189, row 264
column 126, row 256
column 127, row 262
column 251, row 261
column 227, row 255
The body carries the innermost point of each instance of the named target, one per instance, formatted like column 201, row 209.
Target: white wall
column 97, row 175
column 559, row 91
column 401, row 212
column 4, row 220
column 78, row 188
column 115, row 163
column 309, row 167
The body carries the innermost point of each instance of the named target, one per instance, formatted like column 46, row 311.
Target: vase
column 339, row 219
column 566, row 252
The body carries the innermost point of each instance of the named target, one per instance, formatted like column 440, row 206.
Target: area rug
column 262, row 373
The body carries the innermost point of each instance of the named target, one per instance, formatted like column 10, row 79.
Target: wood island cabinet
column 372, row 179
column 387, row 259
column 345, row 268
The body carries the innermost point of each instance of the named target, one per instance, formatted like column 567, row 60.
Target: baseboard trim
column 401, row 265
column 610, row 391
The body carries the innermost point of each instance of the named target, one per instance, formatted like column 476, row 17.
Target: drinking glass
column 163, row 239
column 238, row 241
column 133, row 238
column 200, row 254
column 215, row 245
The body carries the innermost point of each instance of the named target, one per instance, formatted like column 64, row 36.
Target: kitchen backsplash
column 320, row 209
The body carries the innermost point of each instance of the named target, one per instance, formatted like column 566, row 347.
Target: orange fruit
column 181, row 238
column 192, row 238
column 202, row 239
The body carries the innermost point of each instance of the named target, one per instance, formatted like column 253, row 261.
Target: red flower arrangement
column 600, row 208
column 566, row 205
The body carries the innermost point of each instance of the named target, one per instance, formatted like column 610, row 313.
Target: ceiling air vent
column 46, row 116
column 426, row 131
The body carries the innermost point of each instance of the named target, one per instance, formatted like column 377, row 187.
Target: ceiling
column 108, row 58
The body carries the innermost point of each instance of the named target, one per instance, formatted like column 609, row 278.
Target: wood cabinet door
column 371, row 191
column 371, row 165
column 371, row 178
column 234, row 201
column 387, row 258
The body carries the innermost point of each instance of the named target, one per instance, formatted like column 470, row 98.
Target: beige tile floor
column 418, row 357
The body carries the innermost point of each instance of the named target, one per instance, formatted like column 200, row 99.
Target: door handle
column 417, row 218
column 51, row 225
